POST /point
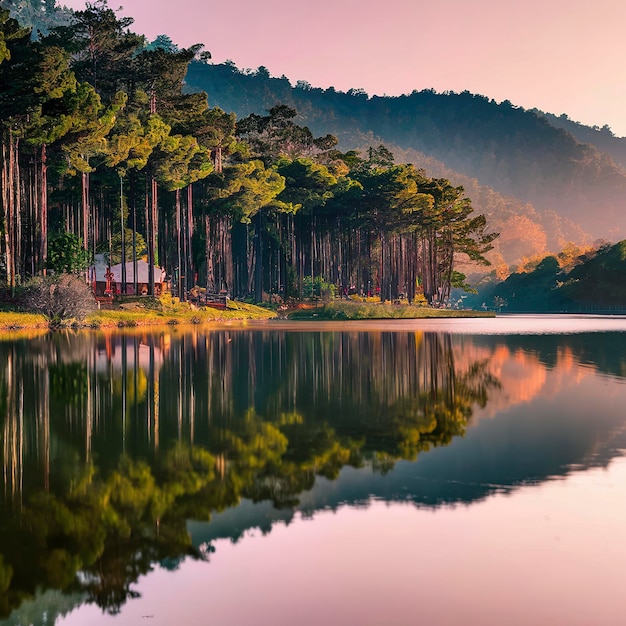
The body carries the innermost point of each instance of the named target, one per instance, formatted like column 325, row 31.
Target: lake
column 467, row 471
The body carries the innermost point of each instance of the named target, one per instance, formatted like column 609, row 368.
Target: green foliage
column 458, row 281
column 346, row 310
column 115, row 247
column 593, row 281
column 66, row 254
column 180, row 161
column 536, row 168
column 599, row 280
column 40, row 15
column 162, row 42
column 246, row 188
column 307, row 184
column 92, row 101
column 147, row 313
column 4, row 51
column 276, row 134
column 14, row 320
column 317, row 288
column 532, row 291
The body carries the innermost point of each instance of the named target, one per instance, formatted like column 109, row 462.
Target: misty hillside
column 40, row 15
column 517, row 153
column 601, row 138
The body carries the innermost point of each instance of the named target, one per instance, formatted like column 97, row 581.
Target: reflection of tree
column 112, row 530
column 110, row 443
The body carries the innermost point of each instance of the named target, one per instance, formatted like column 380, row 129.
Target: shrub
column 318, row 288
column 66, row 254
column 60, row 297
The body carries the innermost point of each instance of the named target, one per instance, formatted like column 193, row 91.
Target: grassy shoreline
column 348, row 311
column 131, row 315
column 153, row 314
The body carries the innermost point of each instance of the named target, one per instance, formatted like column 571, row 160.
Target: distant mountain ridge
column 602, row 139
column 518, row 153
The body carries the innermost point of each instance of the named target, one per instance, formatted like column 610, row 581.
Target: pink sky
column 561, row 56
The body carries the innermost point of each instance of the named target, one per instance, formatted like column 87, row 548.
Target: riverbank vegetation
column 586, row 281
column 104, row 148
column 106, row 151
column 170, row 311
column 144, row 311
column 346, row 310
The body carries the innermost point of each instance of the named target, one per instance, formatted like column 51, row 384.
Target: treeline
column 525, row 232
column 100, row 139
column 515, row 151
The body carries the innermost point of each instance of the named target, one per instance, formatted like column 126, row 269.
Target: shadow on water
column 112, row 443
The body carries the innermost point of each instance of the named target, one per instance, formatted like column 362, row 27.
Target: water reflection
column 112, row 442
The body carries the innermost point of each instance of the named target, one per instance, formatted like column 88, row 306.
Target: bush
column 318, row 288
column 66, row 254
column 59, row 298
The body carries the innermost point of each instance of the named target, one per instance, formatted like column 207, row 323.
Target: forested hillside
column 40, row 15
column 516, row 152
column 601, row 138
column 573, row 281
column 525, row 232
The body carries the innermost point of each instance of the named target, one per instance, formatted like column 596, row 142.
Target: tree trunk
column 150, row 228
column 258, row 249
column 123, row 235
column 191, row 270
column 181, row 293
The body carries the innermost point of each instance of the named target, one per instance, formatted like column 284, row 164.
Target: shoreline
column 15, row 323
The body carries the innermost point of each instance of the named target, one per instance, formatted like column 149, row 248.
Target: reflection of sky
column 534, row 557
column 112, row 355
column 571, row 423
column 500, row 525
column 501, row 325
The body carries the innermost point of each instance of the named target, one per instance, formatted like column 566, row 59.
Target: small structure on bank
column 201, row 297
column 106, row 280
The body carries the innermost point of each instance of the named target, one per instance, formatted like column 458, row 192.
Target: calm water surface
column 437, row 472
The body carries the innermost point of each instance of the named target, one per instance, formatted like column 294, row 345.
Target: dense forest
column 601, row 138
column 111, row 145
column 39, row 15
column 560, row 168
column 100, row 141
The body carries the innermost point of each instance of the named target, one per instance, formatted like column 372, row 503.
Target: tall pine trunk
column 43, row 203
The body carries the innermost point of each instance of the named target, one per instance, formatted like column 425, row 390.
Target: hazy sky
column 561, row 56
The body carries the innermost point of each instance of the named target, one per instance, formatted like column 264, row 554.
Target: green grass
column 344, row 310
column 138, row 312
column 170, row 311
column 13, row 320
